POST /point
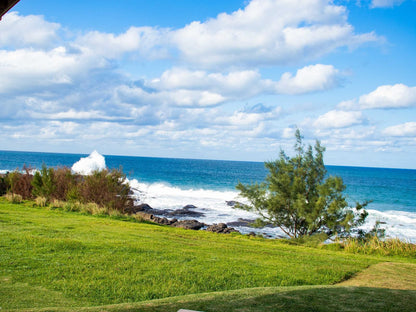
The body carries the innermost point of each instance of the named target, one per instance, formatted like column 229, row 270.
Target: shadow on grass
column 288, row 299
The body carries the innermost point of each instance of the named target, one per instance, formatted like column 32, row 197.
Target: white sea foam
column 214, row 206
column 31, row 171
column 87, row 165
column 398, row 224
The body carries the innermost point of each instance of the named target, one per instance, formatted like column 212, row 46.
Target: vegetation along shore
column 73, row 242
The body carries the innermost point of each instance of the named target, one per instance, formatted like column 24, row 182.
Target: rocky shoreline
column 170, row 218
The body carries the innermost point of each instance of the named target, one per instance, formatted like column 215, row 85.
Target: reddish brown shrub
column 65, row 181
column 108, row 189
column 21, row 183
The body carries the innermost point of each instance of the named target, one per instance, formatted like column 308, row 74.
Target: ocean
column 166, row 183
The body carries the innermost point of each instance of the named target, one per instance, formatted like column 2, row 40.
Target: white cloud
column 27, row 31
column 247, row 83
column 181, row 97
column 309, row 79
column 248, row 118
column 387, row 96
column 288, row 133
column 385, row 3
column 407, row 129
column 269, row 32
column 232, row 85
column 338, row 119
column 72, row 114
column 148, row 41
column 29, row 70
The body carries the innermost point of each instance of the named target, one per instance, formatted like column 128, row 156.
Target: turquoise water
column 389, row 189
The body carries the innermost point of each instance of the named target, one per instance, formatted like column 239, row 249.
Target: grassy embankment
column 71, row 261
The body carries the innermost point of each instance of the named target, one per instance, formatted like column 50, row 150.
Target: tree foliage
column 298, row 198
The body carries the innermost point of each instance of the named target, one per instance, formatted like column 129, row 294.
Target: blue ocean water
column 208, row 184
column 388, row 189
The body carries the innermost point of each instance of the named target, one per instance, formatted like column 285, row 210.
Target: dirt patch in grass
column 389, row 275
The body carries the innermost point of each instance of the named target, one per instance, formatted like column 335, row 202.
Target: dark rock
column 220, row 228
column 143, row 207
column 232, row 203
column 136, row 208
column 152, row 218
column 241, row 222
column 185, row 211
column 189, row 207
column 189, row 224
column 162, row 212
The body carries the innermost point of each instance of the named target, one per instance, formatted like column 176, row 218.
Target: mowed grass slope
column 51, row 258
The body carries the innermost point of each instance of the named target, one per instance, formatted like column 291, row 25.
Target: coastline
column 171, row 184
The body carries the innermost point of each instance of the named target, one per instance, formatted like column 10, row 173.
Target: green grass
column 52, row 258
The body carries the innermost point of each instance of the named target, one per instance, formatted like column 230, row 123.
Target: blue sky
column 211, row 79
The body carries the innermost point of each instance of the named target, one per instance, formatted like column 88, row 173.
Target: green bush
column 103, row 191
column 43, row 183
column 107, row 189
column 66, row 184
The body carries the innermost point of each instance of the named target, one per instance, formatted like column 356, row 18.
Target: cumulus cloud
column 27, row 69
column 407, row 129
column 18, row 31
column 309, row 79
column 247, row 83
column 338, row 119
column 147, row 41
column 385, row 3
column 387, row 96
column 269, row 32
column 234, row 84
column 396, row 96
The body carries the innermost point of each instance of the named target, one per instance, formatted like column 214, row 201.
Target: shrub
column 21, row 183
column 94, row 209
column 96, row 194
column 66, row 184
column 58, row 183
column 43, row 183
column 108, row 189
column 41, row 201
column 55, row 203
column 4, row 185
column 14, row 198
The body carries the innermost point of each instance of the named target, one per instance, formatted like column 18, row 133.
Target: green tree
column 43, row 182
column 298, row 198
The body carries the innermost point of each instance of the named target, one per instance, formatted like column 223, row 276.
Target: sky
column 211, row 79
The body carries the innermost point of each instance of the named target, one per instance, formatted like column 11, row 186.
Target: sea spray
column 214, row 206
column 87, row 165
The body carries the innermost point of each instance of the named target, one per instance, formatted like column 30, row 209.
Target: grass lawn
column 51, row 258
